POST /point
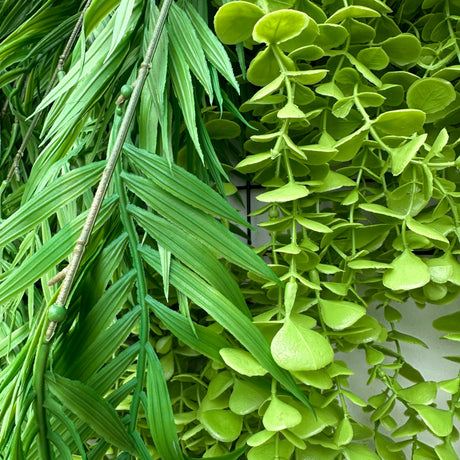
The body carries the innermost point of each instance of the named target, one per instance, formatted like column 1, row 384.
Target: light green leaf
column 234, row 21
column 280, row 416
column 448, row 323
column 408, row 272
column 420, row 393
column 401, row 156
column 279, row 26
column 438, row 421
column 297, row 348
column 374, row 58
column 246, row 397
column 340, row 314
column 352, row 11
column 402, row 122
column 331, row 35
column 91, row 408
column 365, row 264
column 343, row 433
column 404, row 49
column 289, row 192
column 430, row 94
column 264, row 68
column 357, row 451
column 425, row 230
column 241, row 361
column 223, row 425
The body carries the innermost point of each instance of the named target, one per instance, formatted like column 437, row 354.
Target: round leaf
column 264, row 68
column 222, row 129
column 408, row 272
column 245, row 398
column 402, row 122
column 297, row 348
column 288, row 192
column 222, row 425
column 430, row 94
column 242, row 362
column 279, row 26
column 420, row 393
column 404, row 49
column 234, row 22
column 340, row 314
column 280, row 416
column 438, row 421
column 374, row 58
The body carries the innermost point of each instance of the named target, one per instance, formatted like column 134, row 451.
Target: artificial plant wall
column 177, row 339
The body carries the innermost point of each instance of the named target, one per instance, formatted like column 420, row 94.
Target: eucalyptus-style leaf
column 280, row 416
column 439, row 421
column 242, row 362
column 430, row 95
column 408, row 272
column 340, row 314
column 245, row 14
column 297, row 348
column 401, row 122
column 279, row 26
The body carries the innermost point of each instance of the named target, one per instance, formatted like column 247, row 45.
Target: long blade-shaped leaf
column 158, row 410
column 49, row 255
column 192, row 253
column 182, row 184
column 200, row 225
column 62, row 191
column 212, row 47
column 203, row 340
column 227, row 315
column 182, row 34
column 91, row 408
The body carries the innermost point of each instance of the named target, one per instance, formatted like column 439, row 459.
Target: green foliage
column 180, row 340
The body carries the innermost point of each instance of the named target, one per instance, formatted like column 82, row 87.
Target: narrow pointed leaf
column 198, row 224
column 91, row 408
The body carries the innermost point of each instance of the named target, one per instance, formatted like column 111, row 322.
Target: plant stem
column 110, row 166
column 62, row 58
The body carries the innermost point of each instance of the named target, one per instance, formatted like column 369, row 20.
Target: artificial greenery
column 170, row 336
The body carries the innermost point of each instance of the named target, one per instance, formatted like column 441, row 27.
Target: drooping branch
column 107, row 174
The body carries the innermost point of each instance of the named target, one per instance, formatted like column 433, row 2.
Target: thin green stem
column 144, row 329
column 110, row 166
column 62, row 59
